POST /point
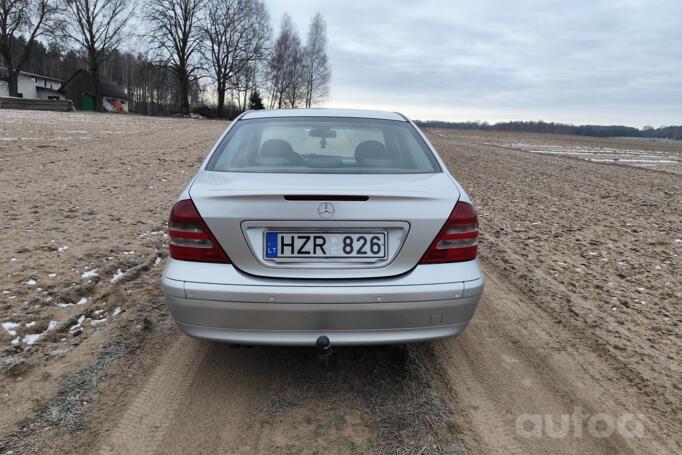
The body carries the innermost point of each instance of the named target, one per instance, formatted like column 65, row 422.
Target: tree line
column 662, row 132
column 215, row 56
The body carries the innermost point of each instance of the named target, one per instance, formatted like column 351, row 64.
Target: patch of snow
column 117, row 276
column 145, row 234
column 78, row 325
column 30, row 339
column 15, row 341
column 64, row 305
column 157, row 261
column 90, row 274
column 12, row 259
column 560, row 152
column 95, row 322
column 61, row 249
column 51, row 275
column 82, row 301
column 30, row 324
column 9, row 326
column 129, row 253
column 647, row 161
column 31, row 282
column 59, row 352
column 117, row 311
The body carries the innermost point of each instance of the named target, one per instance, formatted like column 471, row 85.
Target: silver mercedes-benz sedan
column 322, row 224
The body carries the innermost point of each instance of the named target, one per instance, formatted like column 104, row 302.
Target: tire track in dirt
column 147, row 419
column 281, row 400
column 513, row 362
column 487, row 420
column 580, row 307
column 592, row 248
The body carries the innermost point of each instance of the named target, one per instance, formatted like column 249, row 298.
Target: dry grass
column 67, row 409
column 392, row 384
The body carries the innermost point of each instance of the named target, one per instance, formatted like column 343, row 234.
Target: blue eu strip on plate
column 271, row 244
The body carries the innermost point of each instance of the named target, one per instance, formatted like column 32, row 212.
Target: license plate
column 325, row 245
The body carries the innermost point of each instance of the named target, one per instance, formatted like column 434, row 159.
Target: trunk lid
column 239, row 208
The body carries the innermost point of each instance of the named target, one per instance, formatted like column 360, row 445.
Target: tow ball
column 324, row 350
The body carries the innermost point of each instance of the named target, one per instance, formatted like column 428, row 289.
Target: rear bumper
column 305, row 338
column 425, row 304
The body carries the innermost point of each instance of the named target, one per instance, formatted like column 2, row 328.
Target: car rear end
column 307, row 224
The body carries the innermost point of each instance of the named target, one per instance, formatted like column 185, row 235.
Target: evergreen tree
column 255, row 101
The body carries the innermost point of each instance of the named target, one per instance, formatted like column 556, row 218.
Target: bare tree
column 285, row 67
column 17, row 18
column 236, row 34
column 245, row 82
column 315, row 62
column 275, row 66
column 176, row 36
column 97, row 27
column 294, row 75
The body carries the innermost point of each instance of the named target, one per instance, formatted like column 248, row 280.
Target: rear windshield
column 323, row 146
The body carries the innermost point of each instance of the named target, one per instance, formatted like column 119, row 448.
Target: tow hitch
column 324, row 350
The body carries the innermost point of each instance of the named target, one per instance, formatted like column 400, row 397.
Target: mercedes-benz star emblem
column 326, row 210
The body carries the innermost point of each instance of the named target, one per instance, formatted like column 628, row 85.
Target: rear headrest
column 374, row 153
column 281, row 151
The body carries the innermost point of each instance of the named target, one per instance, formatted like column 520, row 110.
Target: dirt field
column 575, row 347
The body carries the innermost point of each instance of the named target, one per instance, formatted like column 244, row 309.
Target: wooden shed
column 82, row 90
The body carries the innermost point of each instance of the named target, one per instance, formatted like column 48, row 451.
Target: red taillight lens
column 190, row 239
column 458, row 239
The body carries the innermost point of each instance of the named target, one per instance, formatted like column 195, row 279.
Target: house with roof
column 32, row 86
column 88, row 95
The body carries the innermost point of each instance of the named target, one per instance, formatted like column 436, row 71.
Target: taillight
column 190, row 238
column 457, row 240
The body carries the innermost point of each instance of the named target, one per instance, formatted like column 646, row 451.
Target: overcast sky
column 605, row 62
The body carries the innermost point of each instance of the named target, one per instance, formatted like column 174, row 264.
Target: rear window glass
column 323, row 146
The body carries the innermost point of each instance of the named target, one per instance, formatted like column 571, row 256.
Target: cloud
column 580, row 61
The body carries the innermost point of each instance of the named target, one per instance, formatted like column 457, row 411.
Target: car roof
column 320, row 112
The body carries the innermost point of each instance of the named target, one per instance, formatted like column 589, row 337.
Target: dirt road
column 512, row 362
column 575, row 348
